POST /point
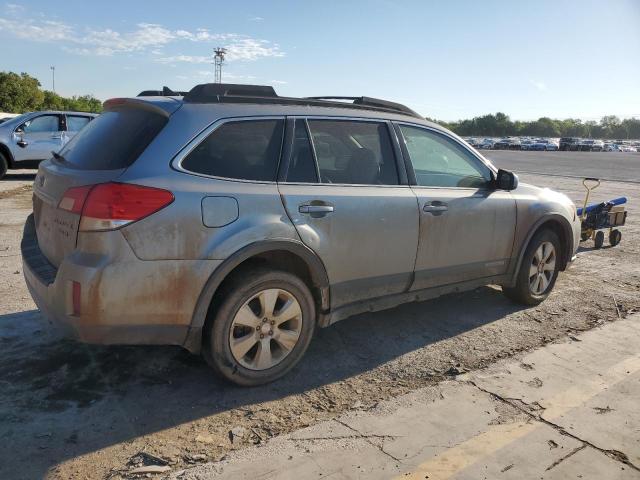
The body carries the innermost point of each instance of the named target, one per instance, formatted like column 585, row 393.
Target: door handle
column 315, row 210
column 436, row 207
column 56, row 137
column 22, row 143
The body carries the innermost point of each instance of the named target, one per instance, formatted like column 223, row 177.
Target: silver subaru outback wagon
column 233, row 222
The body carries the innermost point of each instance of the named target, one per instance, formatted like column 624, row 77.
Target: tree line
column 21, row 93
column 500, row 125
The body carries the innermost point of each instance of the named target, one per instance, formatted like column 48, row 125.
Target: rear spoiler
column 160, row 106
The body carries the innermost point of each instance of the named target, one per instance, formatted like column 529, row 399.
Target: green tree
column 19, row 93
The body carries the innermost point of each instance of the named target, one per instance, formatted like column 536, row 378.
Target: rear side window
column 113, row 140
column 75, row 123
column 354, row 152
column 244, row 150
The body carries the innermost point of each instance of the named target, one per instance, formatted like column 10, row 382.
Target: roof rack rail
column 236, row 93
column 371, row 102
column 165, row 92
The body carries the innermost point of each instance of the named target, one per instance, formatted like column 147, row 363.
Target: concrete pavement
column 567, row 410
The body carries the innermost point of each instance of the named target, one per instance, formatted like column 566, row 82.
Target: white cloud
column 539, row 85
column 145, row 37
column 256, row 19
column 185, row 59
column 46, row 31
column 13, row 7
column 279, row 82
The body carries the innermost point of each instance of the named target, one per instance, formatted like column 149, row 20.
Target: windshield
column 16, row 120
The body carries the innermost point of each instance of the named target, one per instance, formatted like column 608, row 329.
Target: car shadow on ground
column 19, row 176
column 53, row 387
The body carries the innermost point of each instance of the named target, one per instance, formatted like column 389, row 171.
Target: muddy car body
column 233, row 222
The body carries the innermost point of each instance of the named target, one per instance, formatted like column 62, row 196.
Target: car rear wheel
column 539, row 270
column 261, row 328
column 4, row 165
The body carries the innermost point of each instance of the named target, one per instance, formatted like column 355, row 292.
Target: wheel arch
column 288, row 255
column 561, row 227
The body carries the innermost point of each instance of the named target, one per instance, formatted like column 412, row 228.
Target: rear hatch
column 99, row 153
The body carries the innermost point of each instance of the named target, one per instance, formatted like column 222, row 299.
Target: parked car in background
column 486, row 144
column 543, row 145
column 509, row 143
column 612, row 147
column 28, row 139
column 590, row 145
column 525, row 144
column 569, row 143
column 233, row 222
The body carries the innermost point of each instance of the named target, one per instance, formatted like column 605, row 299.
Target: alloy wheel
column 542, row 269
column 265, row 329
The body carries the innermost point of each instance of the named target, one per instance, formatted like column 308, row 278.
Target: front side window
column 245, row 150
column 440, row 162
column 354, row 152
column 43, row 124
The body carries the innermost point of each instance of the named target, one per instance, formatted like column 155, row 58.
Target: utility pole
column 53, row 76
column 218, row 60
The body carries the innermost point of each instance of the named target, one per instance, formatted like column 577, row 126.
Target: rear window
column 113, row 140
column 244, row 150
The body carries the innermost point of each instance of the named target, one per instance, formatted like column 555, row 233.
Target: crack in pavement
column 366, row 438
column 562, row 459
column 518, row 403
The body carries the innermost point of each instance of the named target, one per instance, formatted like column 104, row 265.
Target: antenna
column 218, row 60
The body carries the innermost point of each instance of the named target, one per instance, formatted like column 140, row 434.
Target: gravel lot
column 70, row 411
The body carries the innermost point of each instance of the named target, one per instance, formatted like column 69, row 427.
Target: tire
column 527, row 290
column 251, row 292
column 4, row 166
column 599, row 239
column 614, row 237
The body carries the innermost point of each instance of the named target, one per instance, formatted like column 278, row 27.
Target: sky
column 445, row 59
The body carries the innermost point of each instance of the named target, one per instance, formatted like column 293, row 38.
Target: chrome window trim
column 307, row 118
column 176, row 161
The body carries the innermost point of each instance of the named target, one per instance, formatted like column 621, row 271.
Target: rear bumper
column 124, row 300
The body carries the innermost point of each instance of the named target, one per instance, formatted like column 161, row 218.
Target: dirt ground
column 73, row 411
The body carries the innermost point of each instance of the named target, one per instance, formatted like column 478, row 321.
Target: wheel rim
column 265, row 329
column 542, row 268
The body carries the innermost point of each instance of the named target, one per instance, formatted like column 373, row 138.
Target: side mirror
column 506, row 180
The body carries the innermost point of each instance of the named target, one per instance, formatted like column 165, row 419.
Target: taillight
column 73, row 199
column 108, row 206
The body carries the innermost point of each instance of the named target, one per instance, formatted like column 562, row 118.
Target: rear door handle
column 435, row 207
column 315, row 210
column 56, row 137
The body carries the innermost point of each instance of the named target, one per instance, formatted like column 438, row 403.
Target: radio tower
column 218, row 60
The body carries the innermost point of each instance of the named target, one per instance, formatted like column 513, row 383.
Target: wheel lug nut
column 261, row 335
column 270, row 332
column 273, row 322
column 258, row 328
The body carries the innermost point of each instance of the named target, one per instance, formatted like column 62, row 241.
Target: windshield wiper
column 57, row 156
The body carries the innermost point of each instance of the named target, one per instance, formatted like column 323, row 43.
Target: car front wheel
column 539, row 270
column 261, row 328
